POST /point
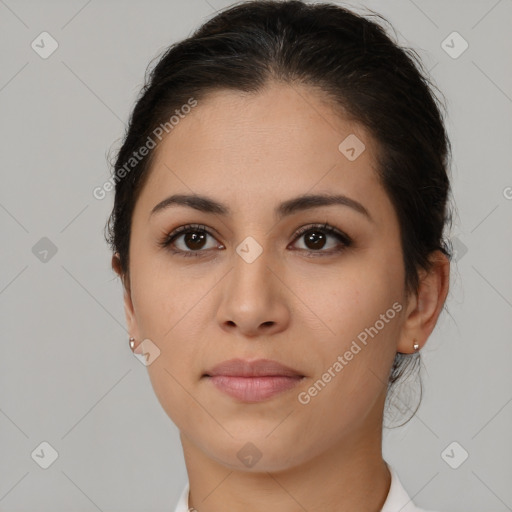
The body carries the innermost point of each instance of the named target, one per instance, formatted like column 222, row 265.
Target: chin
column 261, row 454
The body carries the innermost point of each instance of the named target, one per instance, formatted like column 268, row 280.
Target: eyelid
column 184, row 229
column 344, row 239
column 328, row 228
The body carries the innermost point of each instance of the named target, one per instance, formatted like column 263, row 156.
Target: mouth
column 253, row 381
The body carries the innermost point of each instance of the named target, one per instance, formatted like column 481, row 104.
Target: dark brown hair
column 357, row 66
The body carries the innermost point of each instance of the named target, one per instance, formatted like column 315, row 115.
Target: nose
column 254, row 298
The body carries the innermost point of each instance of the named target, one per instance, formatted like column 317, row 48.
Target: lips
column 257, row 368
column 253, row 381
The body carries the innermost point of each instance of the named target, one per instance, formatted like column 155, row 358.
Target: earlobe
column 426, row 305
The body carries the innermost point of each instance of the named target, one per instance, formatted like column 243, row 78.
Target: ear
column 131, row 320
column 424, row 307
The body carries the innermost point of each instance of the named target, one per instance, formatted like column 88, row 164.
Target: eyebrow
column 305, row 202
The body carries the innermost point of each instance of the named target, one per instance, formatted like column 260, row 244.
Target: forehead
column 280, row 142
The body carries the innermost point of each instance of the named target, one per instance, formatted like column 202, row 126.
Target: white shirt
column 397, row 500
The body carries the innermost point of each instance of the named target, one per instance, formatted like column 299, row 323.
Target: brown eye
column 189, row 240
column 314, row 239
column 317, row 237
column 194, row 240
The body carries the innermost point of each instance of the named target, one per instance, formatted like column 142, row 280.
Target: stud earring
column 416, row 346
column 132, row 343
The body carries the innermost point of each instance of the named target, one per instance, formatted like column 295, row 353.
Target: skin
column 303, row 311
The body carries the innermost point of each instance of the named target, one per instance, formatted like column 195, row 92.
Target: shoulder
column 182, row 505
column 398, row 500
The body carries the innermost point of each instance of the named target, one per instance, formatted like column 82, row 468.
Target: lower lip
column 253, row 389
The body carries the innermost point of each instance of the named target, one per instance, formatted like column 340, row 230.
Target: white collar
column 397, row 500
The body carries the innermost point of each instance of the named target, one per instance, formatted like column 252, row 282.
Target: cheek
column 162, row 294
column 362, row 310
column 170, row 307
column 353, row 296
column 354, row 365
column 168, row 313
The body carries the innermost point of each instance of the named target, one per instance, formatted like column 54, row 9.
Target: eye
column 193, row 240
column 316, row 236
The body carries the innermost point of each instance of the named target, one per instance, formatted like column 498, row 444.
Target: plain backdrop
column 67, row 375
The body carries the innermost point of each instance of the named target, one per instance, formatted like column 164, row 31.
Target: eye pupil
column 194, row 240
column 316, row 238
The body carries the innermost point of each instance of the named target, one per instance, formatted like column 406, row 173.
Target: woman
column 281, row 195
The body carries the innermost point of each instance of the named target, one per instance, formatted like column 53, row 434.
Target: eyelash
column 326, row 228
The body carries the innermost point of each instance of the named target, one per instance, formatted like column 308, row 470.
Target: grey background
column 67, row 375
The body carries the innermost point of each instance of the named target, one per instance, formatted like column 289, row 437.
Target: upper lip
column 256, row 368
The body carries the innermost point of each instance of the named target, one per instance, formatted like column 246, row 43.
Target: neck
column 351, row 475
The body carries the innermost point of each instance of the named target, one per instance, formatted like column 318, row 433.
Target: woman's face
column 250, row 288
